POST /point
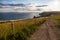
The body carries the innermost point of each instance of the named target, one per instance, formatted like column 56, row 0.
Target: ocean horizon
column 16, row 15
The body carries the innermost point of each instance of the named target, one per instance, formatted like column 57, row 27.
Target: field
column 19, row 29
column 23, row 29
column 56, row 19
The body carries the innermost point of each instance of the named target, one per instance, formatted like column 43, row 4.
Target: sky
column 52, row 4
column 26, row 1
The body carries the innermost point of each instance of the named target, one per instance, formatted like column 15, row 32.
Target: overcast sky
column 52, row 4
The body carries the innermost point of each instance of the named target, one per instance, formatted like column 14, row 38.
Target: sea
column 16, row 15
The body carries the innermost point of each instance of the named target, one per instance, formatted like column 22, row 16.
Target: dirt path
column 46, row 31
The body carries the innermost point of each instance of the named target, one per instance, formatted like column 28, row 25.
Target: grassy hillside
column 22, row 29
column 56, row 19
column 19, row 29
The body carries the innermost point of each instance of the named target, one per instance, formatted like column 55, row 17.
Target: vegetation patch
column 19, row 29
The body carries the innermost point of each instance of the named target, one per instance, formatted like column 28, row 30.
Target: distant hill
column 44, row 14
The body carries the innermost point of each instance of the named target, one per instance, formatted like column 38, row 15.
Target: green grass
column 19, row 29
column 56, row 19
column 23, row 29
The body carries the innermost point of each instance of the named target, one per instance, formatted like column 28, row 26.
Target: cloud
column 54, row 5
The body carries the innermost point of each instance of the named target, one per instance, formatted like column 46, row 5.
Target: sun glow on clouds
column 54, row 5
column 33, row 6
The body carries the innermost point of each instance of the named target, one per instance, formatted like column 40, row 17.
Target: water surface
column 15, row 15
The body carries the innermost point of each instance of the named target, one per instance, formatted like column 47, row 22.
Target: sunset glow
column 54, row 5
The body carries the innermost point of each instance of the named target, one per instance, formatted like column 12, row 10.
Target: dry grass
column 21, row 29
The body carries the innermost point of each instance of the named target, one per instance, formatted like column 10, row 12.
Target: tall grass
column 56, row 19
column 19, row 29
